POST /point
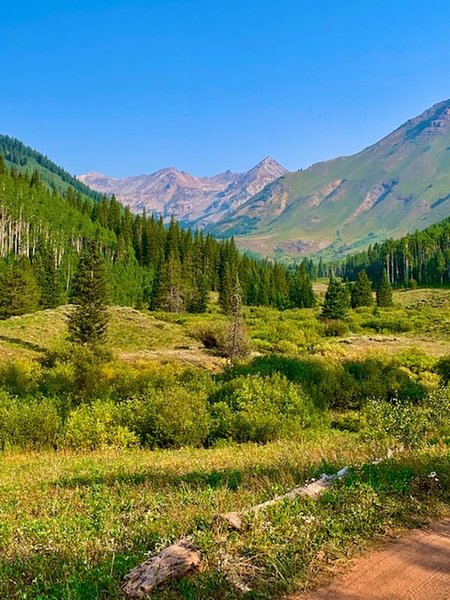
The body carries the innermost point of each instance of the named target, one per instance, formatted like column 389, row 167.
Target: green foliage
column 19, row 292
column 259, row 409
column 443, row 368
column 28, row 424
column 336, row 302
column 395, row 423
column 301, row 292
column 335, row 328
column 96, row 426
column 384, row 292
column 171, row 417
column 361, row 291
column 89, row 320
column 417, row 259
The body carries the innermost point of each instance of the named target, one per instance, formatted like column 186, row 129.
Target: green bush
column 258, row 409
column 437, row 407
column 335, row 328
column 212, row 335
column 96, row 426
column 170, row 417
column 395, row 423
column 20, row 377
column 443, row 368
column 388, row 325
column 28, row 424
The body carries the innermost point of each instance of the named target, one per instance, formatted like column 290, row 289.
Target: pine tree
column 174, row 300
column 88, row 321
column 384, row 292
column 337, row 301
column 226, row 290
column 47, row 277
column 301, row 293
column 198, row 302
column 19, row 291
column 361, row 291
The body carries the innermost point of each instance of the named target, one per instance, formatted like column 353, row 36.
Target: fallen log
column 183, row 558
column 174, row 562
column 313, row 490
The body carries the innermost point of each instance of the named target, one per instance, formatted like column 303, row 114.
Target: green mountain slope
column 399, row 184
column 27, row 160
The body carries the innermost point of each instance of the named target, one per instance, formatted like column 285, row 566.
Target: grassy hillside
column 399, row 184
column 418, row 319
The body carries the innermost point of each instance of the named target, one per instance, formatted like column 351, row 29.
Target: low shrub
column 395, row 423
column 94, row 426
column 335, row 328
column 388, row 325
column 212, row 335
column 28, row 424
column 443, row 368
column 258, row 409
column 168, row 418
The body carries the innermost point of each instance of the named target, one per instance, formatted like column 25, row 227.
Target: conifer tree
column 337, row 300
column 384, row 291
column 47, row 276
column 226, row 290
column 361, row 291
column 19, row 291
column 198, row 302
column 301, row 293
column 174, row 297
column 88, row 321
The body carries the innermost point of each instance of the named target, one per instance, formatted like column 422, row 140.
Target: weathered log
column 183, row 558
column 313, row 490
column 176, row 561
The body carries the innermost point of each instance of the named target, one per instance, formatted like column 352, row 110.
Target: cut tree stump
column 174, row 562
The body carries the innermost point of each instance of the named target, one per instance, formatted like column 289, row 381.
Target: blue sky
column 126, row 87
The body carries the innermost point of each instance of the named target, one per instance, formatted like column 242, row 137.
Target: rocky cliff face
column 192, row 200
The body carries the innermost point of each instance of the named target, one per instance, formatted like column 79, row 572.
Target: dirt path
column 416, row 567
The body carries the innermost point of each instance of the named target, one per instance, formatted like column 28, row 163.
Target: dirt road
column 416, row 567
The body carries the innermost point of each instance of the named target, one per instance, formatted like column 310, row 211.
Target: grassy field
column 73, row 523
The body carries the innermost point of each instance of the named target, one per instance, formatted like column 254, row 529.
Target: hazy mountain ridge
column 192, row 200
column 398, row 184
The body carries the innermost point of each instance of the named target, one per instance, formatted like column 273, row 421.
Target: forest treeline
column 149, row 264
column 25, row 159
column 420, row 258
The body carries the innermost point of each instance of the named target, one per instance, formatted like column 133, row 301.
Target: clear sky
column 131, row 86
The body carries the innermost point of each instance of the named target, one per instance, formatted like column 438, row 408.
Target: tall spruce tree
column 361, row 291
column 301, row 292
column 88, row 321
column 337, row 301
column 384, row 292
column 47, row 276
column 19, row 291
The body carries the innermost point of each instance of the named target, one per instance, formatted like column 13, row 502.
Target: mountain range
column 335, row 207
column 194, row 201
column 398, row 185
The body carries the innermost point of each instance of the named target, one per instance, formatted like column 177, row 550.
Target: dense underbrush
column 76, row 400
